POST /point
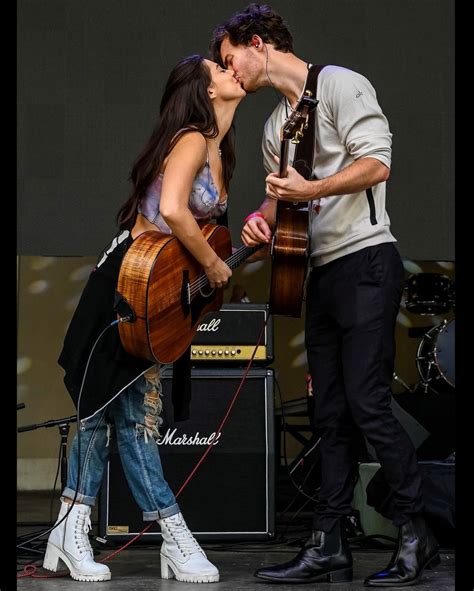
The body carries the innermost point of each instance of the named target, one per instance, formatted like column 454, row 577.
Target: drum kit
column 432, row 294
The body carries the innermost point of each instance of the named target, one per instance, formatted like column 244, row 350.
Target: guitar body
column 155, row 278
column 290, row 250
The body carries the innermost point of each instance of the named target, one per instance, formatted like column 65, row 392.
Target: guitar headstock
column 297, row 122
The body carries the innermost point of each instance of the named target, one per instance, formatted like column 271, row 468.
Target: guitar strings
column 196, row 285
column 237, row 256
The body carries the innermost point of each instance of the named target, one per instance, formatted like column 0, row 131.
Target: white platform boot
column 181, row 555
column 70, row 544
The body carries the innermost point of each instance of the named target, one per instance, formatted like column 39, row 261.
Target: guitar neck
column 283, row 159
column 283, row 171
column 241, row 255
column 235, row 259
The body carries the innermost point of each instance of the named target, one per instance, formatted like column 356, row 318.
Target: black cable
column 308, row 474
column 60, row 456
column 48, row 530
column 295, row 484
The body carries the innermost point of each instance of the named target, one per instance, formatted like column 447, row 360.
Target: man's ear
column 256, row 42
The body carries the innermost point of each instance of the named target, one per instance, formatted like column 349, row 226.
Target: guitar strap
column 304, row 153
column 181, row 386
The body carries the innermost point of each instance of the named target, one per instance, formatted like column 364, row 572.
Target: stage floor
column 138, row 566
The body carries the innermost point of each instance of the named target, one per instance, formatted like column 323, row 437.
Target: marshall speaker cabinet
column 231, row 496
column 229, row 336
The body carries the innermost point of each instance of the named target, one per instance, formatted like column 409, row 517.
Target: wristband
column 255, row 214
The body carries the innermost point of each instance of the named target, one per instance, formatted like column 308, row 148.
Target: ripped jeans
column 133, row 419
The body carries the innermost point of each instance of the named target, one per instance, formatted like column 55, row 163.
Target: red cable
column 229, row 408
column 183, row 486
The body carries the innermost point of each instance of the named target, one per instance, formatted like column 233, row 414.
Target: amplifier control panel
column 226, row 352
column 231, row 335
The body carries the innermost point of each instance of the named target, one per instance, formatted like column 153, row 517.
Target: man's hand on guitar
column 256, row 231
column 218, row 273
column 292, row 187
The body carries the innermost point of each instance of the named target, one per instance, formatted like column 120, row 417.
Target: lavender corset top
column 203, row 200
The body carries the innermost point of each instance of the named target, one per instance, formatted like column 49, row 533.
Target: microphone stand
column 63, row 425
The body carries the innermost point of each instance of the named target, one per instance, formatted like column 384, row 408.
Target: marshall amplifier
column 231, row 495
column 229, row 336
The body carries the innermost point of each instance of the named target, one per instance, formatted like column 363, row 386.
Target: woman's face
column 224, row 84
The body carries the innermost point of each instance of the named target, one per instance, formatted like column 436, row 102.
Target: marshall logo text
column 184, row 439
column 211, row 326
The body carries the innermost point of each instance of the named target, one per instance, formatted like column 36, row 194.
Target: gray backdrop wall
column 90, row 77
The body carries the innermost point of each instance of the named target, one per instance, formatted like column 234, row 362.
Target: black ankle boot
column 417, row 550
column 324, row 554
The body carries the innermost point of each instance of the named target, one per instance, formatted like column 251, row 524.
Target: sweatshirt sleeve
column 358, row 118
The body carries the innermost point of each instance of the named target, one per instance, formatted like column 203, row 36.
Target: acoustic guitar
column 290, row 242
column 168, row 292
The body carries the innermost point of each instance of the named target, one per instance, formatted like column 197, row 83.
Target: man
column 353, row 291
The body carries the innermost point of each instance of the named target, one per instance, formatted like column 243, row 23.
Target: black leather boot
column 417, row 550
column 324, row 554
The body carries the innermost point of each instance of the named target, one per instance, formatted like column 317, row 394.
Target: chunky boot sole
column 54, row 556
column 343, row 575
column 170, row 571
column 432, row 563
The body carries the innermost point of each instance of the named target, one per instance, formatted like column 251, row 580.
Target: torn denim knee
column 153, row 406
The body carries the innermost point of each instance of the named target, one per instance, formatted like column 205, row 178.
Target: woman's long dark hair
column 185, row 103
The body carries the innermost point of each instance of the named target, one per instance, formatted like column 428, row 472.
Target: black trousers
column 351, row 309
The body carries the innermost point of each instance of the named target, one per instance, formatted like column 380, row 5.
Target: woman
column 182, row 175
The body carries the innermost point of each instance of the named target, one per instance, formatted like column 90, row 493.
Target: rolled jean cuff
column 161, row 513
column 84, row 499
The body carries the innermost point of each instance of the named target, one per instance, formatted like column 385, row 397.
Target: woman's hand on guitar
column 218, row 273
column 292, row 187
column 256, row 231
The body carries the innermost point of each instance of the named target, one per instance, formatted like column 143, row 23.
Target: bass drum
column 435, row 358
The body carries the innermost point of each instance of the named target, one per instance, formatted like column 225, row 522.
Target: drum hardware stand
column 431, row 357
column 426, row 382
column 426, row 385
column 403, row 383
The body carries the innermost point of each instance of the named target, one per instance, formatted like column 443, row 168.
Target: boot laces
column 81, row 530
column 183, row 537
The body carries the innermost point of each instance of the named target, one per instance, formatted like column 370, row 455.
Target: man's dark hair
column 256, row 19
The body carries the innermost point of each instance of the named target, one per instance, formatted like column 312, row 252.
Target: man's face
column 246, row 63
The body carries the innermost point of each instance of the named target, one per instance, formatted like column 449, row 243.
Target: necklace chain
column 219, row 151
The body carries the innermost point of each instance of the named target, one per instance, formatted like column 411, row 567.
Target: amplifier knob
column 194, row 351
column 226, row 352
column 232, row 352
column 219, row 352
column 201, row 352
column 207, row 351
column 213, row 352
